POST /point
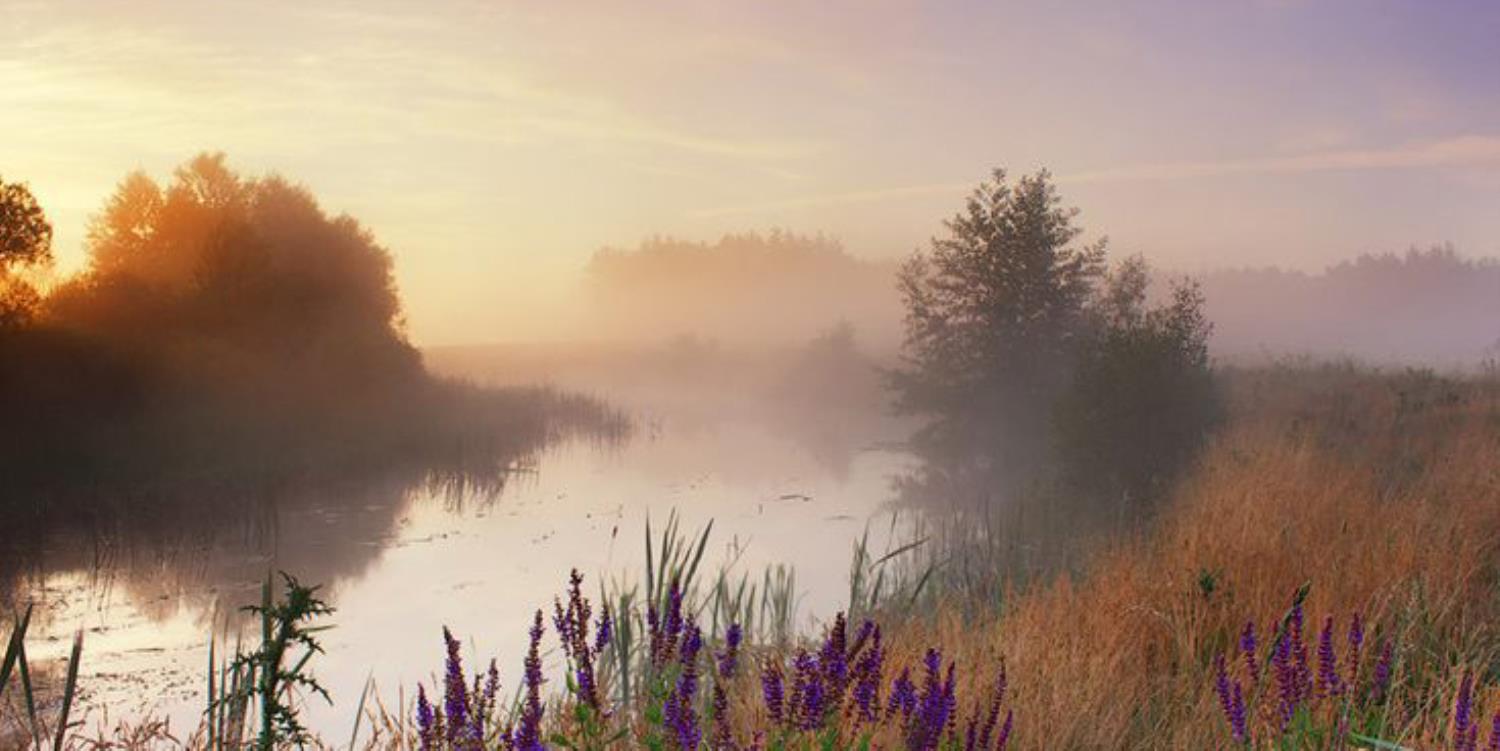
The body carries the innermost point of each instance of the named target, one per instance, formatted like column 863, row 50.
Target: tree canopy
column 25, row 242
column 1032, row 362
column 245, row 272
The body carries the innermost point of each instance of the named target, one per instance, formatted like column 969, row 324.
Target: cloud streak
column 1465, row 151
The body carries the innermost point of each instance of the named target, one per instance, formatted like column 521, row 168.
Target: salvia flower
column 729, row 657
column 773, row 691
column 427, row 721
column 455, row 693
column 528, row 735
column 1465, row 731
column 1329, row 682
column 679, row 711
column 903, row 696
column 1247, row 650
column 867, row 676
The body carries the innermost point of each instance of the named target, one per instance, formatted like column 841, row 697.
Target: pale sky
column 493, row 146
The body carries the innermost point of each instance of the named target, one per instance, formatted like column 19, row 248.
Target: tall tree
column 995, row 311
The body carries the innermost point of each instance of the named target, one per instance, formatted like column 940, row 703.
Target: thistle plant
column 275, row 670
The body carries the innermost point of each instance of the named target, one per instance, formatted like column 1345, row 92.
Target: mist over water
column 785, row 480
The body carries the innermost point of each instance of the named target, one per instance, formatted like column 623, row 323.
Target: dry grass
column 1381, row 491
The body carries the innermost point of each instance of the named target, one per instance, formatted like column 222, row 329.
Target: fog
column 767, row 291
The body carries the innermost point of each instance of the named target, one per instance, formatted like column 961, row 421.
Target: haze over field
column 861, row 374
column 494, row 147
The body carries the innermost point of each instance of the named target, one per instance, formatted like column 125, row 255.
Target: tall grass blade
column 69, row 690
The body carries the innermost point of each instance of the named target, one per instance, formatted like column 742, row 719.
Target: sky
column 493, row 146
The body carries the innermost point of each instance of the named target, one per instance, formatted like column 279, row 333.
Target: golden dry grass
column 1381, row 491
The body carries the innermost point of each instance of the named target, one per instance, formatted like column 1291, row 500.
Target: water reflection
column 404, row 551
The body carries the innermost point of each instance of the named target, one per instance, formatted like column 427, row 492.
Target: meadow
column 1323, row 577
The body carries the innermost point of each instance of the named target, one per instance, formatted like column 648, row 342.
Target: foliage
column 994, row 313
column 1049, row 386
column 25, row 242
column 1142, row 394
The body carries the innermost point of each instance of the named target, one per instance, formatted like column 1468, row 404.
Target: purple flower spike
column 679, row 712
column 1221, row 688
column 1247, row 650
column 903, row 696
column 605, row 631
column 528, row 735
column 773, row 691
column 867, row 676
column 1465, row 731
column 1356, row 644
column 427, row 721
column 1329, row 683
column 1004, row 738
column 455, row 693
column 729, row 658
column 1382, row 683
column 1494, row 744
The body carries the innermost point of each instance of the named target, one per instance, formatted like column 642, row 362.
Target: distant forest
column 1432, row 306
column 747, row 288
column 1435, row 306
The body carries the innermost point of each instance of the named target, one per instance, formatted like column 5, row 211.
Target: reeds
column 15, row 663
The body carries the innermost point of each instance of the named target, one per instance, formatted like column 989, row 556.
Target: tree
column 25, row 242
column 233, row 276
column 1142, row 395
column 1041, row 374
column 995, row 311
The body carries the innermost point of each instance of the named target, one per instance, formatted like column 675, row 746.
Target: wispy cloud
column 1466, row 151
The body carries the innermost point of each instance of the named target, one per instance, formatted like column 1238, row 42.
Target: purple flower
column 722, row 738
column 729, row 658
column 1494, row 744
column 1302, row 676
column 807, row 704
column 486, row 702
column 772, row 690
column 1329, row 683
column 903, row 696
column 679, row 711
column 427, row 721
column 1227, row 698
column 1247, row 649
column 867, row 674
column 833, row 660
column 935, row 706
column 1286, row 679
column 987, row 732
column 1465, row 730
column 1004, row 733
column 605, row 632
column 456, row 696
column 1382, row 682
column 1356, row 643
column 529, row 731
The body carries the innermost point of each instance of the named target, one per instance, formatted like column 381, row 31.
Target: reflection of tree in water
column 189, row 544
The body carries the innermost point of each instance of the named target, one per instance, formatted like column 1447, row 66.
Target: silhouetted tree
column 1142, row 395
column 1041, row 374
column 995, row 312
column 239, row 279
column 25, row 242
